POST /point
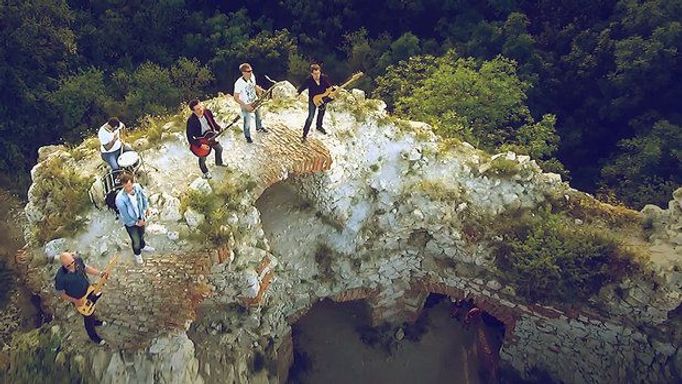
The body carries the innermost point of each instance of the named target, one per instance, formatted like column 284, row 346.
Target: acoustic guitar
column 331, row 92
column 209, row 138
column 91, row 296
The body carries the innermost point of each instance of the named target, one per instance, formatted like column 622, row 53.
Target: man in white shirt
column 246, row 93
column 111, row 145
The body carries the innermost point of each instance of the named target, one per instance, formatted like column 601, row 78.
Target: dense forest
column 590, row 88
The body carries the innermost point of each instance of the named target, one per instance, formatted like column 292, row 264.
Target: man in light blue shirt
column 133, row 208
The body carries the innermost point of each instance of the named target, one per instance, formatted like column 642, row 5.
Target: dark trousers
column 311, row 113
column 91, row 322
column 136, row 238
column 218, row 158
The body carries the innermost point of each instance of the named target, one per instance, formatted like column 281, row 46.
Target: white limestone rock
column 193, row 218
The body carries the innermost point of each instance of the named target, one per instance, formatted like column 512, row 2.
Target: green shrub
column 549, row 258
column 31, row 359
column 64, row 195
column 217, row 205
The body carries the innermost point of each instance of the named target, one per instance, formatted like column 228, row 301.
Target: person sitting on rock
column 111, row 145
column 200, row 122
column 133, row 208
column 246, row 93
column 72, row 282
column 316, row 84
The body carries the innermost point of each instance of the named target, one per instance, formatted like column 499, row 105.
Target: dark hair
column 193, row 103
column 125, row 177
column 113, row 122
column 315, row 67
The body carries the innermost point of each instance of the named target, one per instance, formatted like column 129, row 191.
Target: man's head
column 114, row 122
column 127, row 180
column 196, row 107
column 68, row 261
column 315, row 71
column 245, row 69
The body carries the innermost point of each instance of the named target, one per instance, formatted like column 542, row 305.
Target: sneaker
column 262, row 130
column 303, row 139
column 138, row 259
column 102, row 342
column 322, row 131
column 207, row 175
column 221, row 165
column 148, row 248
column 101, row 324
column 248, row 140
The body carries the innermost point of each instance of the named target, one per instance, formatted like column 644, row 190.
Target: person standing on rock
column 72, row 282
column 316, row 84
column 111, row 145
column 133, row 208
column 246, row 93
column 200, row 122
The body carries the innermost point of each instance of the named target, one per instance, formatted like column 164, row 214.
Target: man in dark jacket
column 72, row 283
column 200, row 122
column 316, row 84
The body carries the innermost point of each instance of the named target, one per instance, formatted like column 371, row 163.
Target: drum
column 111, row 187
column 130, row 161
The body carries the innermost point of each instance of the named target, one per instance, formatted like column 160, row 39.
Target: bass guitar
column 331, row 92
column 95, row 290
column 209, row 138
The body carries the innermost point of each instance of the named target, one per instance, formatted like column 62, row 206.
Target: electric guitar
column 263, row 98
column 94, row 290
column 209, row 138
column 331, row 92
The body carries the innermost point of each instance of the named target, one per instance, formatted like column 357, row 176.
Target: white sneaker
column 148, row 248
column 102, row 342
column 207, row 175
column 138, row 259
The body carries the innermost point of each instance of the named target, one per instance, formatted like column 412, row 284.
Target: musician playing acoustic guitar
column 200, row 122
column 316, row 84
column 71, row 280
column 111, row 145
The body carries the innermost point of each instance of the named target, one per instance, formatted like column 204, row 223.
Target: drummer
column 111, row 145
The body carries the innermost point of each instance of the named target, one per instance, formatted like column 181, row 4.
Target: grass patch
column 503, row 167
column 548, row 258
column 439, row 191
column 582, row 206
column 64, row 196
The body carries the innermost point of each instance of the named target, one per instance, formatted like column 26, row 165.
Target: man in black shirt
column 316, row 84
column 72, row 282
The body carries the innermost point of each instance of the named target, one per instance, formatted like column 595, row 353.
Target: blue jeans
column 311, row 114
column 136, row 238
column 247, row 122
column 111, row 158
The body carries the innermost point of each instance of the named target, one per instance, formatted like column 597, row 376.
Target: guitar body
column 324, row 98
column 91, row 296
column 209, row 138
column 89, row 306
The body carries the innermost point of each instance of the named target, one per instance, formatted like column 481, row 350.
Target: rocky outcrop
column 396, row 218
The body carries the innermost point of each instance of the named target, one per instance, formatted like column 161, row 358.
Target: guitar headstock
column 357, row 75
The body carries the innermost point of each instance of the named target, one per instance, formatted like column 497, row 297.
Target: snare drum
column 130, row 161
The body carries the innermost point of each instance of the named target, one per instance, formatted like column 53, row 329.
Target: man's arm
column 72, row 299
column 190, row 137
column 245, row 106
column 303, row 87
column 92, row 271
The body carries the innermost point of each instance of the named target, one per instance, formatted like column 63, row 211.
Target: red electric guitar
column 209, row 138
